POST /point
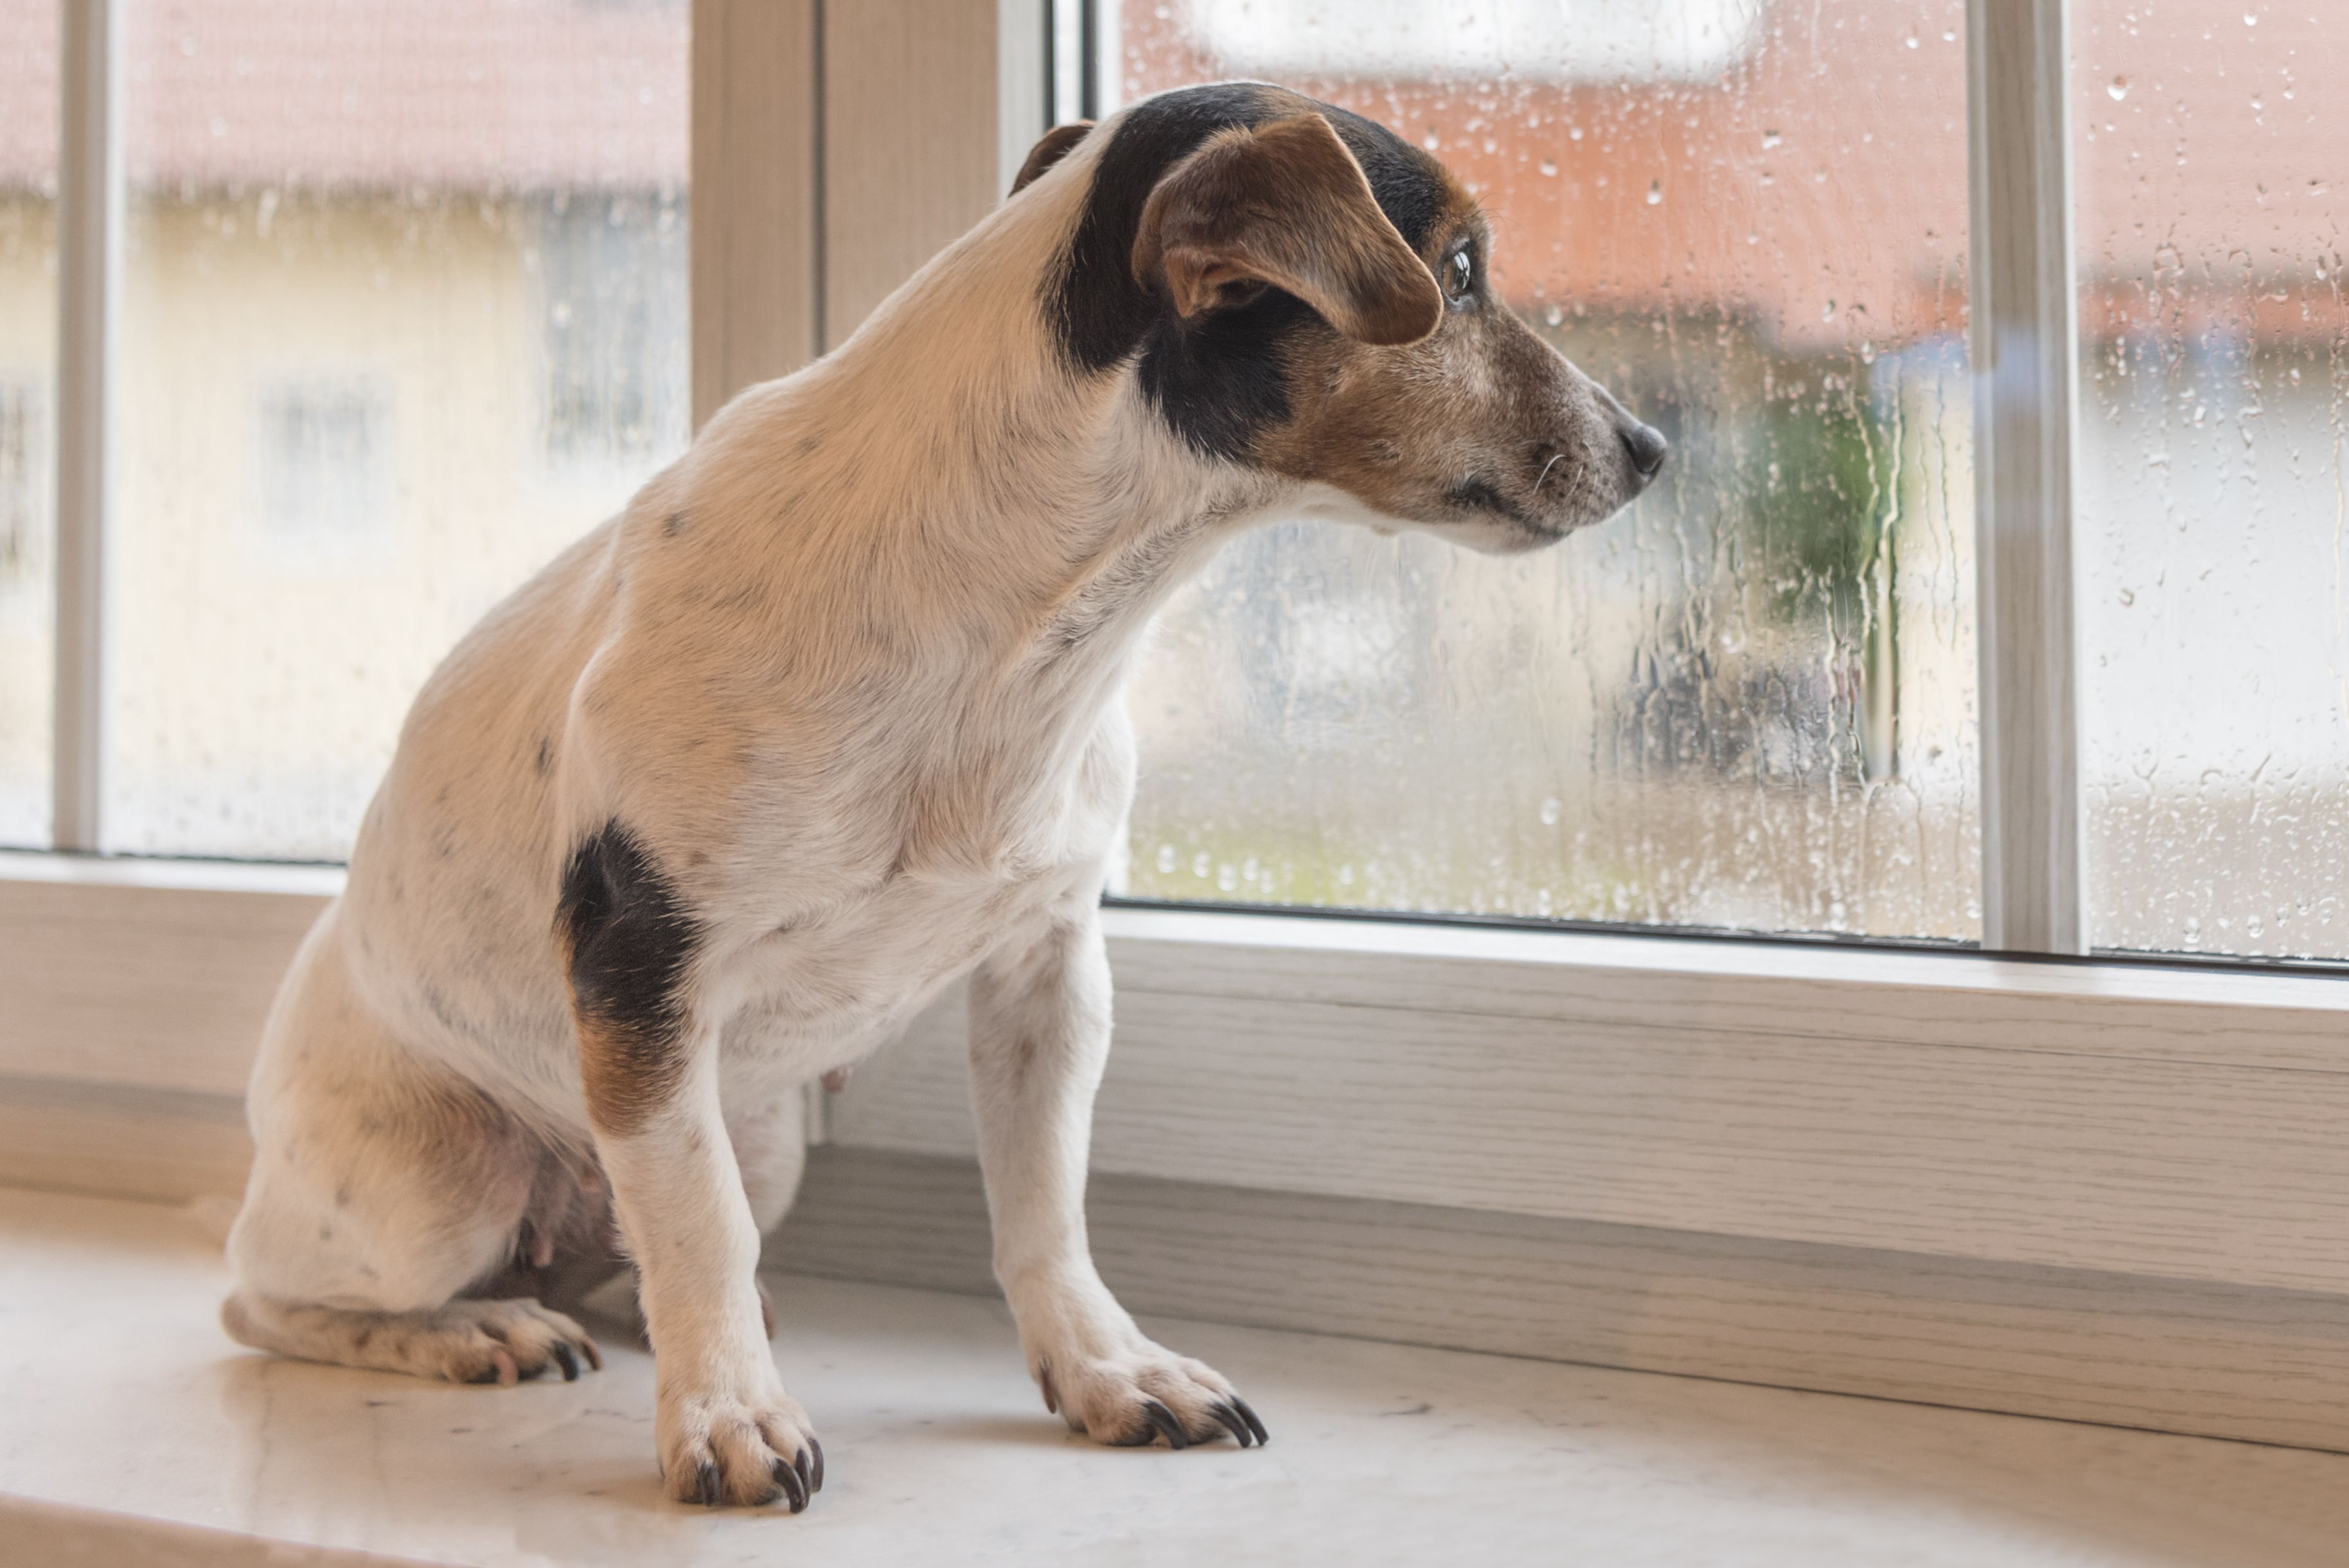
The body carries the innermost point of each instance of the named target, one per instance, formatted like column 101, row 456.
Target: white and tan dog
column 829, row 717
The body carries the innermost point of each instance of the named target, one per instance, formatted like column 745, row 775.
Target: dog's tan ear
column 1285, row 204
column 1053, row 147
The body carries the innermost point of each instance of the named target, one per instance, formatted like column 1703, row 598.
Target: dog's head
column 1302, row 291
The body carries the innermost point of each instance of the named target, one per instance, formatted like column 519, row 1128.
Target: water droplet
column 1867, row 351
column 2118, row 87
column 1553, row 316
column 1910, row 40
column 1165, row 857
column 1770, row 139
column 1549, row 812
column 1828, row 314
column 2250, row 18
column 1549, row 166
column 1655, row 191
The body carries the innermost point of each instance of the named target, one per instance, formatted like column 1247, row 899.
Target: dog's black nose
column 1648, row 448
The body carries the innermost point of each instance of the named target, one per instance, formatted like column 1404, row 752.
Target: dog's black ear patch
column 1216, row 380
column 628, row 940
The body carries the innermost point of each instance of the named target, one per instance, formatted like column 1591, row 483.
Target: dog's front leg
column 1040, row 1028
column 727, row 1431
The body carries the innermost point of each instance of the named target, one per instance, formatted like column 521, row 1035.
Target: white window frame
column 2145, row 1128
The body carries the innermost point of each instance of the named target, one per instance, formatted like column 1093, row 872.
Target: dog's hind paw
column 1137, row 1396
column 719, row 1448
column 464, row 1341
column 505, row 1342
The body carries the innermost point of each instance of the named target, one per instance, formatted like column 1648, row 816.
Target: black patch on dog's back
column 628, row 939
column 1215, row 380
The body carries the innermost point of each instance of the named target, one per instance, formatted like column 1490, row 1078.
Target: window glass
column 29, row 352
column 2214, row 361
column 403, row 313
column 1748, row 702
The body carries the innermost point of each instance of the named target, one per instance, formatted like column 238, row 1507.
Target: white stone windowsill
column 119, row 1395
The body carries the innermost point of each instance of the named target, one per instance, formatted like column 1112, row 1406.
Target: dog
column 828, row 718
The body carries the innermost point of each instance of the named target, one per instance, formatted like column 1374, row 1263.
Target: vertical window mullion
column 89, row 274
column 2025, row 401
column 757, row 214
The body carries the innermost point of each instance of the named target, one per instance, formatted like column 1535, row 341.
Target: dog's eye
column 1459, row 276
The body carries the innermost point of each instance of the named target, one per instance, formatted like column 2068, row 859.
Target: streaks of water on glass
column 1748, row 702
column 28, row 340
column 403, row 310
column 2214, row 363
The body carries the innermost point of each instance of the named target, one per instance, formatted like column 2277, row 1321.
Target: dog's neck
column 947, row 454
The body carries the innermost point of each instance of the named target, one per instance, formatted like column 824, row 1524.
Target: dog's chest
column 968, row 878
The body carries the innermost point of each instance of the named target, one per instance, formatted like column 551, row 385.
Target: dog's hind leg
column 381, row 1188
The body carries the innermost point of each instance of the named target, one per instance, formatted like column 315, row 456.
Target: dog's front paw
column 721, row 1447
column 1141, row 1395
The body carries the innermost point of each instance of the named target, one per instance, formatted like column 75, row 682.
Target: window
column 2214, row 373
column 1753, row 702
column 404, row 305
column 1749, row 701
column 28, row 341
column 387, row 275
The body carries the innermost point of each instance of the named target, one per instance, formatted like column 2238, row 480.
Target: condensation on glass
column 1748, row 702
column 403, row 315
column 28, row 352
column 2213, row 217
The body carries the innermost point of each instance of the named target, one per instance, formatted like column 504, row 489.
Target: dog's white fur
column 850, row 668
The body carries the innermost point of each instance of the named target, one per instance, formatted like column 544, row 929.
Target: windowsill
column 125, row 1398
column 1578, row 1119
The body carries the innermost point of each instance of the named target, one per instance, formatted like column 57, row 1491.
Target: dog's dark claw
column 794, row 1483
column 594, row 1356
column 805, row 1470
column 1229, row 1419
column 708, row 1490
column 568, row 1360
column 1249, row 1415
column 815, row 1481
column 1164, row 1420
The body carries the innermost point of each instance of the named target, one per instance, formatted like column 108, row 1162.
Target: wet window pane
column 28, row 351
column 2213, row 608
column 403, row 315
column 1748, row 702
